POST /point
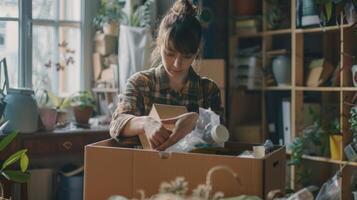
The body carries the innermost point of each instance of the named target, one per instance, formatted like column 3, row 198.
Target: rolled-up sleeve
column 129, row 106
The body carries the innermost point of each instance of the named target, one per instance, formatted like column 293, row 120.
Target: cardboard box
column 105, row 44
column 159, row 112
column 113, row 169
column 213, row 69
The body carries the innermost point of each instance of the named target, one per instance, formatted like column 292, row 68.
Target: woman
column 171, row 81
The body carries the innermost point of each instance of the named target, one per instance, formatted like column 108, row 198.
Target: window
column 9, row 38
column 55, row 22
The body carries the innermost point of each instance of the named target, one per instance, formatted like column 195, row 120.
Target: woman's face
column 176, row 64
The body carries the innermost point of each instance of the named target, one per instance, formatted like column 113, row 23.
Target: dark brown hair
column 179, row 28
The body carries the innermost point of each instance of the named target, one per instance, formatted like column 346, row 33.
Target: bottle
column 217, row 134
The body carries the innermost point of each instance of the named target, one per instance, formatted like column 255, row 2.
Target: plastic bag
column 331, row 190
column 200, row 135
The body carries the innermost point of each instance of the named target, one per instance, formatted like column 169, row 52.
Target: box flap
column 274, row 170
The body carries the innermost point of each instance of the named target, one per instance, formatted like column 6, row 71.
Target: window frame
column 25, row 24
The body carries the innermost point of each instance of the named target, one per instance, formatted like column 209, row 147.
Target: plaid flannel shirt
column 152, row 86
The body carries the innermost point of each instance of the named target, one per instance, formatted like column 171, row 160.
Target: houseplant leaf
column 24, row 162
column 7, row 140
column 328, row 9
column 16, row 176
column 13, row 158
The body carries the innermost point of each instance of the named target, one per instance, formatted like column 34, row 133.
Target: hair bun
column 184, row 8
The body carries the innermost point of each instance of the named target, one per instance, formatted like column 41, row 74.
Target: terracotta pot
column 48, row 117
column 82, row 115
column 62, row 117
column 245, row 7
column 111, row 28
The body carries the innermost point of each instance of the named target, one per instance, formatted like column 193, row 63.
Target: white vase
column 354, row 75
column 282, row 70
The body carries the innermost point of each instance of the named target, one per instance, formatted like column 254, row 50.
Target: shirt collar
column 164, row 81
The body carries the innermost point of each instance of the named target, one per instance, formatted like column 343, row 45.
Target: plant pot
column 282, row 70
column 62, row 117
column 111, row 28
column 354, row 75
column 336, row 147
column 82, row 114
column 245, row 7
column 48, row 117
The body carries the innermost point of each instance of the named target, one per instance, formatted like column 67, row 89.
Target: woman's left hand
column 184, row 124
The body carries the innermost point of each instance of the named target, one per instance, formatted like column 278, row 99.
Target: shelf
column 277, row 52
column 328, row 160
column 248, row 35
column 278, row 88
column 322, row 29
column 277, row 32
column 325, row 89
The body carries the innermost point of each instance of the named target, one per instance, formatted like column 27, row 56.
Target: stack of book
column 248, row 25
column 247, row 72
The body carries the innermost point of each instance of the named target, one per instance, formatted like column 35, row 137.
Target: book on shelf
column 320, row 70
column 248, row 25
column 286, row 111
column 274, row 108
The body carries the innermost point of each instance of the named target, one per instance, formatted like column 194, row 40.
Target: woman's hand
column 184, row 124
column 156, row 133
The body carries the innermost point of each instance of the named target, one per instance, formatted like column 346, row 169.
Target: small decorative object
column 282, row 70
column 351, row 151
column 354, row 75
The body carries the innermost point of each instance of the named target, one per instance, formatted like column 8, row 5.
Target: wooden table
column 52, row 149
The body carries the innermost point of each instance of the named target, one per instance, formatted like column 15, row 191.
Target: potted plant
column 109, row 15
column 48, row 112
column 20, row 176
column 83, row 105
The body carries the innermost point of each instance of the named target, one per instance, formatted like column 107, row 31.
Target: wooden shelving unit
column 337, row 43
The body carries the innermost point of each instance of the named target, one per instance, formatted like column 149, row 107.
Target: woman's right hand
column 155, row 131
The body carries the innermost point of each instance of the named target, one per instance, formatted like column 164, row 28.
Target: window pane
column 70, row 10
column 69, row 81
column 9, row 48
column 9, row 8
column 43, row 9
column 44, row 50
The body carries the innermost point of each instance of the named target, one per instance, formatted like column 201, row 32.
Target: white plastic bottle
column 217, row 134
